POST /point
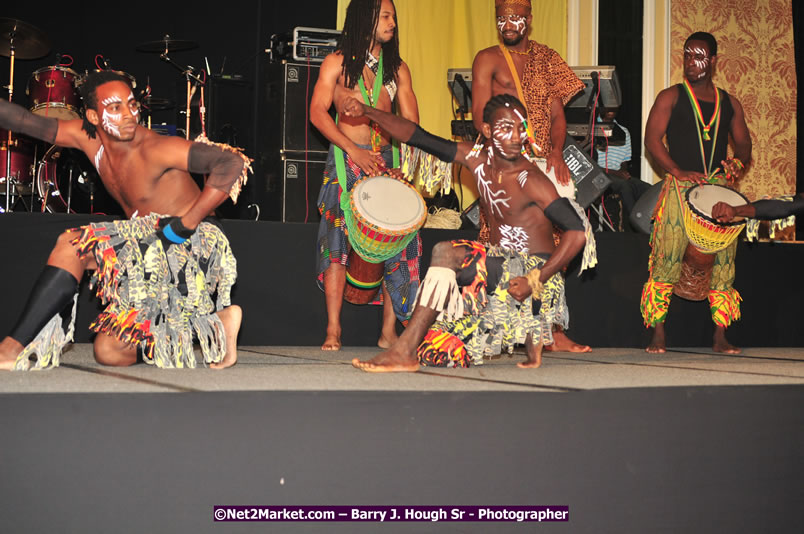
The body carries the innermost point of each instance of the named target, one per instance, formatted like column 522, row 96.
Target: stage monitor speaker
column 643, row 209
column 301, row 184
column 590, row 180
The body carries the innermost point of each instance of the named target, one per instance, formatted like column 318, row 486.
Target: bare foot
column 657, row 342
column 534, row 353
column 386, row 341
column 721, row 344
column 561, row 343
column 9, row 350
column 231, row 318
column 390, row 361
column 333, row 339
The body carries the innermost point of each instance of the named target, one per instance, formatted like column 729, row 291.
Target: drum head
column 389, row 203
column 702, row 199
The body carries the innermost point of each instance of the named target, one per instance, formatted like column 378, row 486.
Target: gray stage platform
column 310, row 369
column 685, row 442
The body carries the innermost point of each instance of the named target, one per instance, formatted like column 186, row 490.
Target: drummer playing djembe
column 697, row 119
column 366, row 66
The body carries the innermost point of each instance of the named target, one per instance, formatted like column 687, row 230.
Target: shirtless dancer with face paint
column 547, row 85
column 522, row 205
column 145, row 173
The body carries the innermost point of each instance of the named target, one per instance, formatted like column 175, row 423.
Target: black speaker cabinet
column 302, row 182
column 287, row 94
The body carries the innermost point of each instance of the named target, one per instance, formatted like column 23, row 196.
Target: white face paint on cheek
column 517, row 21
column 111, row 123
column 503, row 131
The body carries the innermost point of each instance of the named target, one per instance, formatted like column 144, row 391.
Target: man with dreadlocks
column 513, row 292
column 366, row 65
column 696, row 120
column 542, row 81
column 157, row 273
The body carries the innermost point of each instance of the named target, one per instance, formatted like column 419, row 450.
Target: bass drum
column 66, row 182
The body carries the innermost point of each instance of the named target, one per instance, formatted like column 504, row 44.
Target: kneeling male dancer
column 158, row 273
column 519, row 267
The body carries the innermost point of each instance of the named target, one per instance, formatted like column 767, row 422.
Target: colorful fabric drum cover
column 386, row 214
column 706, row 233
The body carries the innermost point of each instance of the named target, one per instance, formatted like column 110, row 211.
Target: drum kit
column 35, row 176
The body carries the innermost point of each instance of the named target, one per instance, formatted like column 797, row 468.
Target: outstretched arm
column 766, row 210
column 18, row 119
column 408, row 132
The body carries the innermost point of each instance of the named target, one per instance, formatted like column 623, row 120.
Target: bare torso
column 135, row 174
column 508, row 196
column 358, row 129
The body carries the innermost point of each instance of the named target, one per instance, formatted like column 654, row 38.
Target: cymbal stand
column 187, row 71
column 9, row 140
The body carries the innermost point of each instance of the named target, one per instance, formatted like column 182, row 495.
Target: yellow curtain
column 437, row 35
column 756, row 64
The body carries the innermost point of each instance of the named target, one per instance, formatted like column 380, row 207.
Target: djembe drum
column 385, row 215
column 706, row 237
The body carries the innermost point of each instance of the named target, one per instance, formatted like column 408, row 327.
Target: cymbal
column 155, row 103
column 166, row 43
column 29, row 41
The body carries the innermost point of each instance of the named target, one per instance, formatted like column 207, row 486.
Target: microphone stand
column 12, row 35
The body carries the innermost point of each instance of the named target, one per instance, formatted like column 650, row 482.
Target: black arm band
column 778, row 209
column 438, row 146
column 20, row 120
column 222, row 166
column 562, row 214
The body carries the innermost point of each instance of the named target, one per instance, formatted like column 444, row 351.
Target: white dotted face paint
column 514, row 238
column 518, row 22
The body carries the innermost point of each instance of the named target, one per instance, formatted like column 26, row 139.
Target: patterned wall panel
column 756, row 63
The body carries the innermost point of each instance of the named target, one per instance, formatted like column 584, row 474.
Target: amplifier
column 314, row 44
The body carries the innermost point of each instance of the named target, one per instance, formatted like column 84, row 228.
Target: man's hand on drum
column 733, row 168
column 691, row 176
column 723, row 212
column 519, row 288
column 370, row 162
column 352, row 107
column 396, row 173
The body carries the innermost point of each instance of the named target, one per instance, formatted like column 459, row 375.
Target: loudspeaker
column 643, row 209
column 287, row 94
column 590, row 180
column 301, row 184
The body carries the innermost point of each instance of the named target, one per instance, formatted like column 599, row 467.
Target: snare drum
column 53, row 92
column 385, row 215
column 707, row 236
column 67, row 182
